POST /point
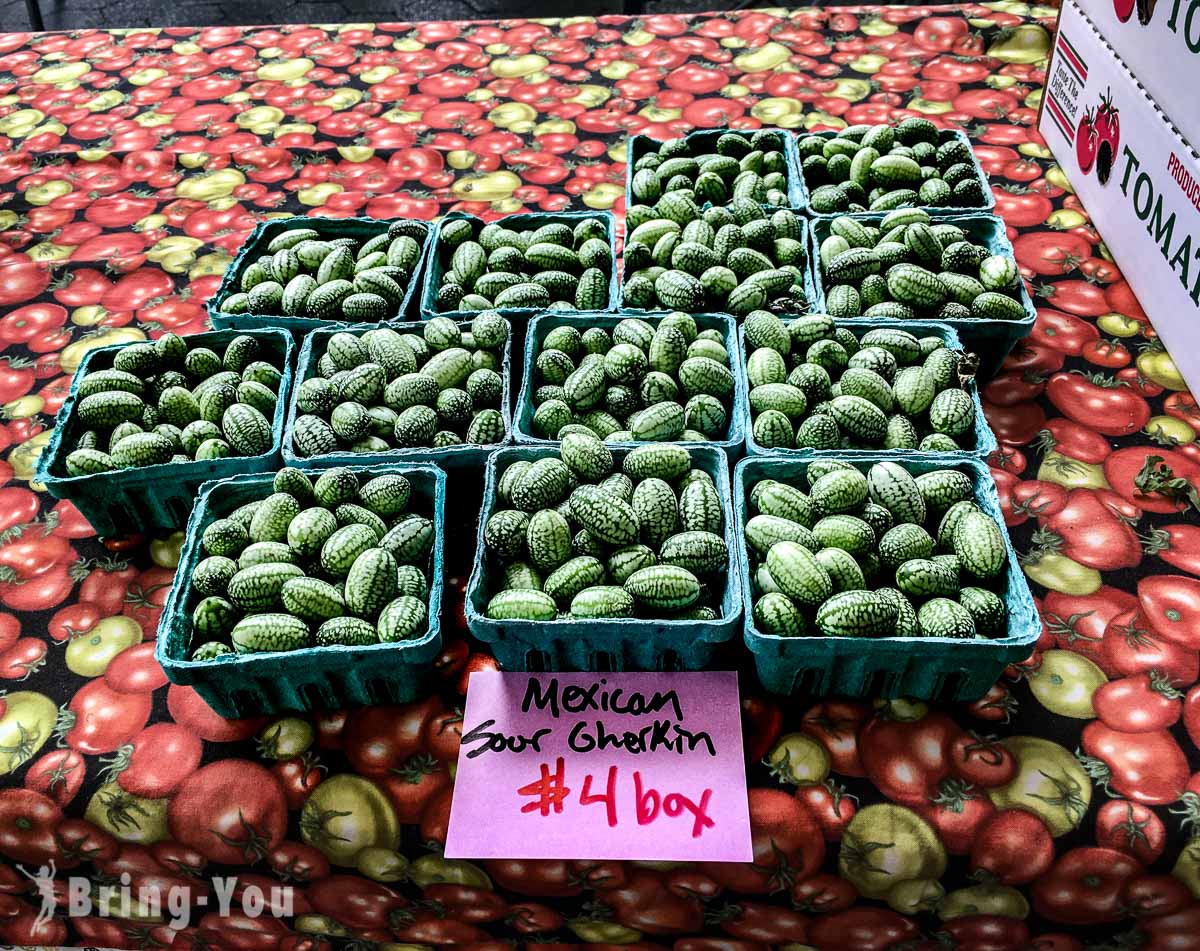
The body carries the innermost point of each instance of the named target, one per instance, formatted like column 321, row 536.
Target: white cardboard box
column 1136, row 175
column 1160, row 42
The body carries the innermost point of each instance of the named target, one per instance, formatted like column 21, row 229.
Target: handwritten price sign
column 606, row 766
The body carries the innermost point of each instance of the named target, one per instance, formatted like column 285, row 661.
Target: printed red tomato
column 1171, row 605
column 1142, row 703
column 1151, row 896
column 146, row 596
column 769, row 924
column 831, row 805
column 1086, row 530
column 27, row 824
column 835, row 724
column 102, row 719
column 413, row 785
column 982, row 760
column 538, row 878
column 1064, row 332
column 378, row 740
column 188, row 710
column 1131, row 646
column 40, row 592
column 1107, row 405
column 298, row 862
column 162, row 756
column 135, row 670
column 1149, row 768
column 1014, row 846
column 862, row 928
column 1132, row 828
column 787, row 843
column 298, row 776
column 1084, row 887
column 906, row 759
column 58, row 774
column 823, row 893
column 957, row 812
column 1153, row 478
column 230, row 811
column 354, row 901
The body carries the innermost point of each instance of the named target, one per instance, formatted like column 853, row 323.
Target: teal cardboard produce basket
column 811, row 292
column 947, row 135
column 992, row 340
column 312, row 678
column 590, row 645
column 539, row 327
column 154, row 498
column 435, row 267
column 984, row 440
column 255, row 245
column 448, row 457
column 918, row 667
column 640, row 145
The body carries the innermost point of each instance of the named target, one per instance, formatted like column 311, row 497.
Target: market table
column 1058, row 807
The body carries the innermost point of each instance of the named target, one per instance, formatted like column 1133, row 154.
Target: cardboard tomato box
column 1160, row 42
column 1136, row 174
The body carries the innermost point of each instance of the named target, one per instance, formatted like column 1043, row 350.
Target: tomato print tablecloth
column 1055, row 811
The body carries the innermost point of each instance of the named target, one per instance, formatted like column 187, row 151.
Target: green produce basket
column 154, row 498
column 985, row 439
column 539, row 327
column 619, row 644
column 811, row 291
column 312, row 678
column 992, row 340
column 435, row 267
column 947, row 135
column 255, row 245
column 449, row 457
column 639, row 145
column 919, row 667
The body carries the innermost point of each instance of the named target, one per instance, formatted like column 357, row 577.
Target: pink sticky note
column 604, row 766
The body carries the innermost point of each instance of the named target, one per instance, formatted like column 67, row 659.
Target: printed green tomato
column 1050, row 783
column 1187, row 867
column 89, row 655
column 797, row 758
column 915, row 896
column 885, row 845
column 1064, row 684
column 346, row 814
column 435, row 870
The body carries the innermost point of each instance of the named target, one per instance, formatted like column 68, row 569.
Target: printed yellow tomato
column 49, row 251
column 285, row 69
column 381, row 865
column 1062, row 574
column 885, row 845
column 603, row 932
column 1050, row 783
column 127, row 817
column 46, row 192
column 61, row 73
column 204, row 266
column 433, row 869
column 1118, row 325
column 1170, row 431
column 877, row 26
column 24, row 458
column 23, row 407
column 603, row 196
column 1071, row 473
column 491, row 186
column 461, row 159
column 316, row 195
column 868, row 63
column 797, row 758
column 25, row 725
column 89, row 654
column 73, row 353
column 515, row 67
column 1064, row 219
column 285, row 738
column 987, row 899
column 1187, row 867
column 617, row 69
column 210, row 185
column 1157, row 365
column 344, row 815
column 767, row 57
column 318, row 924
column 164, row 552
column 1027, row 43
column 170, row 245
column 915, row 896
column 775, row 110
column 930, row 107
column 1056, row 177
column 853, row 90
column 1064, row 683
column 591, row 95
